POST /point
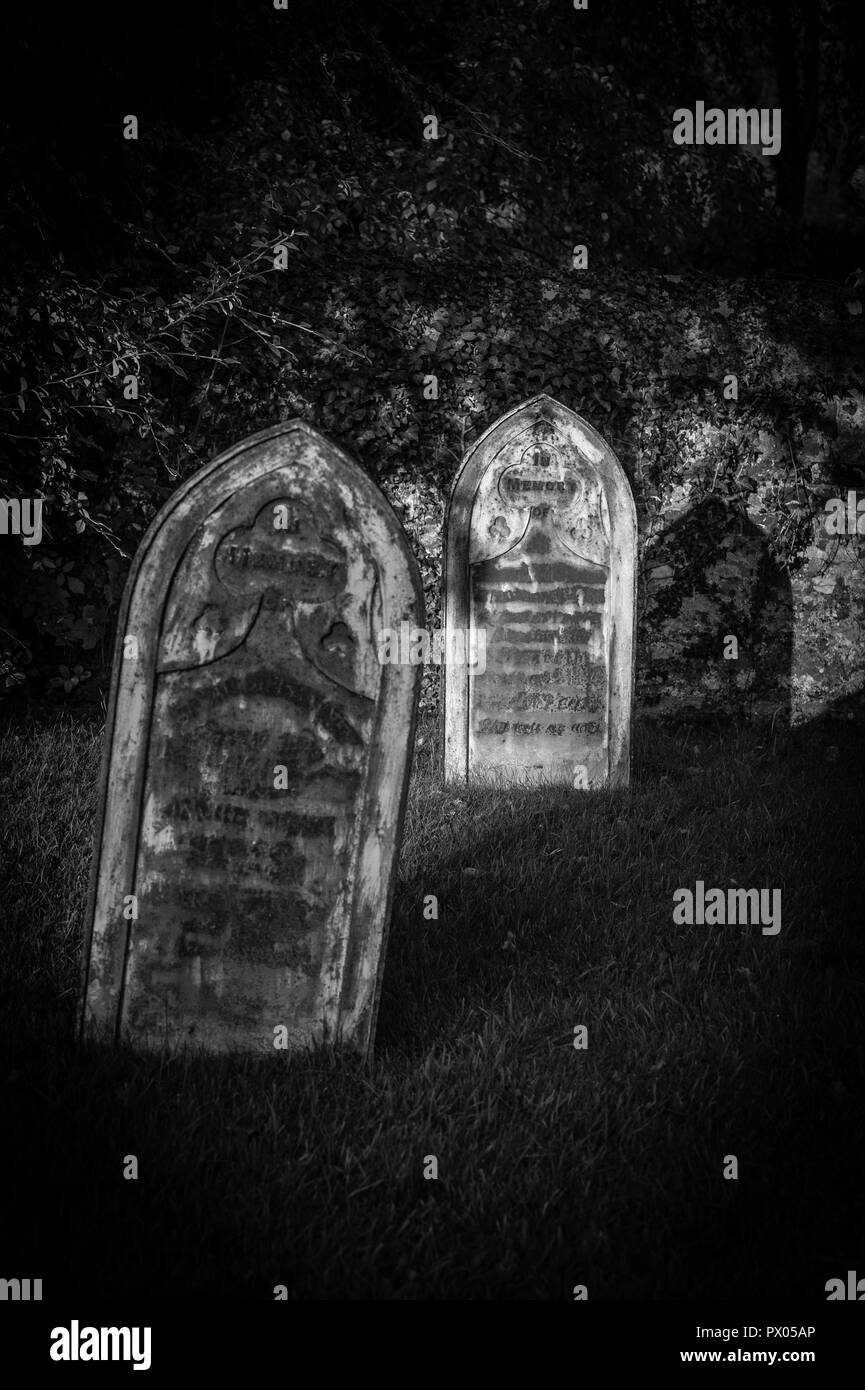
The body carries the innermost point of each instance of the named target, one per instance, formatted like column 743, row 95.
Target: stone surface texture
column 540, row 555
column 257, row 758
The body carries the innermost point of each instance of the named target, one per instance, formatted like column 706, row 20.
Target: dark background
column 408, row 257
column 155, row 256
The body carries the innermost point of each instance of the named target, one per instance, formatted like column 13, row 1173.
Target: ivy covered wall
column 282, row 239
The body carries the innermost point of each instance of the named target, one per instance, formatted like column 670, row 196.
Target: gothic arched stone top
column 591, row 447
column 257, row 754
column 540, row 552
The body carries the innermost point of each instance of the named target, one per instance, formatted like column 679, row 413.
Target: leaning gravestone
column 257, row 759
column 540, row 545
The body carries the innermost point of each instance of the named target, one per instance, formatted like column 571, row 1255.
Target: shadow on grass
column 556, row 1166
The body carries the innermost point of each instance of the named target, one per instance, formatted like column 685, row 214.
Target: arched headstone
column 540, row 554
column 257, row 758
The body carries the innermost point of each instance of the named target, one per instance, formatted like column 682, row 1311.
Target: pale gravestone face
column 258, row 757
column 540, row 552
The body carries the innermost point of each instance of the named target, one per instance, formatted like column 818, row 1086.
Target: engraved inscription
column 544, row 611
column 540, row 554
column 255, row 765
column 255, row 778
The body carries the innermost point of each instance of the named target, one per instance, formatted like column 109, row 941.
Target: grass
column 556, row 1166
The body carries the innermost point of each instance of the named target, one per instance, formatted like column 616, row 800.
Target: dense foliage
column 259, row 129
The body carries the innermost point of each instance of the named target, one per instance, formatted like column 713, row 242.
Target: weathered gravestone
column 257, row 758
column 540, row 544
